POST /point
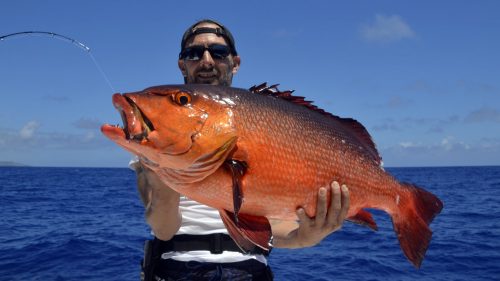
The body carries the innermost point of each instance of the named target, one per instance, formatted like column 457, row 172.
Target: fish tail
column 411, row 221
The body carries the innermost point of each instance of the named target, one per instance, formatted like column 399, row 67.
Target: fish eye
column 182, row 98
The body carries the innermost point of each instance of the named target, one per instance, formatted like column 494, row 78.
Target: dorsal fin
column 352, row 125
column 364, row 137
column 273, row 91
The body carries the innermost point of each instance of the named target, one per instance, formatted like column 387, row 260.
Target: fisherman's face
column 209, row 69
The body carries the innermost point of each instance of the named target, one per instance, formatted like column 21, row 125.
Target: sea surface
column 87, row 224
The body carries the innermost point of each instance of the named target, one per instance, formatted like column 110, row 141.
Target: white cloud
column 89, row 136
column 28, row 131
column 446, row 144
column 32, row 138
column 448, row 151
column 407, row 144
column 450, row 143
column 387, row 29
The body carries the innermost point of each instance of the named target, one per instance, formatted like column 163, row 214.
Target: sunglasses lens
column 218, row 51
column 196, row 52
column 193, row 53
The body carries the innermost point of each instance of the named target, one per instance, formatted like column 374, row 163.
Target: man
column 191, row 241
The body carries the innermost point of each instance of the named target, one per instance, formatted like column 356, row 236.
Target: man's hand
column 311, row 231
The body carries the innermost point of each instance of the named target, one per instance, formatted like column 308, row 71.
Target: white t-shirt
column 198, row 219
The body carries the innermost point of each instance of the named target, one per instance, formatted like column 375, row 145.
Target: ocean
column 87, row 224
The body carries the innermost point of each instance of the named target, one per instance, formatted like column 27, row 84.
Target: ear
column 236, row 64
column 182, row 67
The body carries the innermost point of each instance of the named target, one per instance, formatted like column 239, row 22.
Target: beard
column 211, row 78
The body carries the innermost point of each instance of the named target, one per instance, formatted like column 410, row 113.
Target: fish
column 262, row 153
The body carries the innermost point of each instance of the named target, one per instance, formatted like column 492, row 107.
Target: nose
column 207, row 60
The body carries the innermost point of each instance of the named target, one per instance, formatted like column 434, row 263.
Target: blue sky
column 422, row 76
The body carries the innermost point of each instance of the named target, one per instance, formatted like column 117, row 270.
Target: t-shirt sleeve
column 134, row 162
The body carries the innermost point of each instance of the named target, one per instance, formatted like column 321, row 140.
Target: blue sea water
column 87, row 224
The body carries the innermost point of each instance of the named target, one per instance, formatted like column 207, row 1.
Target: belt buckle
column 216, row 243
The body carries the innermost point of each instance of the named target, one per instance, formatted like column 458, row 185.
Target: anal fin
column 364, row 218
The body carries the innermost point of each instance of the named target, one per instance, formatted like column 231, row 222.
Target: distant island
column 11, row 164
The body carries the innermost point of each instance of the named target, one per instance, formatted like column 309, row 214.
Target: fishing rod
column 64, row 38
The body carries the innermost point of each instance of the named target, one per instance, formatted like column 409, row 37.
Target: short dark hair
column 219, row 31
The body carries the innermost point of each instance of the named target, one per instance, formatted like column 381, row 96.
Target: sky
column 422, row 76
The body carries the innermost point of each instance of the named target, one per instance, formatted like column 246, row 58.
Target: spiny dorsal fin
column 352, row 125
column 273, row 91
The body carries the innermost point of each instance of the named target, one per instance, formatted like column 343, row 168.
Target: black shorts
column 248, row 270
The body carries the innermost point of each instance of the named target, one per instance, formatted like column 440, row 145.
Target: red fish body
column 259, row 156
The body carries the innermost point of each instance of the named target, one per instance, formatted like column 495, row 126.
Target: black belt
column 215, row 243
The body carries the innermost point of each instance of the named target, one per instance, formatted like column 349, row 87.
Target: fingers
column 321, row 211
column 339, row 205
column 328, row 214
column 321, row 206
column 345, row 202
column 335, row 204
column 336, row 198
column 303, row 218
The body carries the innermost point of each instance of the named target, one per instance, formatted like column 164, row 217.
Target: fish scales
column 293, row 147
column 256, row 157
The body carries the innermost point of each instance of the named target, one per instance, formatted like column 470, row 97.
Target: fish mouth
column 136, row 125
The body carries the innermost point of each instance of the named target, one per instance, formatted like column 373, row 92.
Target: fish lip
column 136, row 125
column 146, row 124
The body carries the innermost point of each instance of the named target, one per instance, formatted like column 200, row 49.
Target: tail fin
column 411, row 221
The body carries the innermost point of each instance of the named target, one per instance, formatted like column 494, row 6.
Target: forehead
column 206, row 38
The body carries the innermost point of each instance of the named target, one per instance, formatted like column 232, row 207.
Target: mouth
column 207, row 75
column 136, row 125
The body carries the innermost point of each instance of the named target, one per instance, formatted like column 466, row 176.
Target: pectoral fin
column 238, row 169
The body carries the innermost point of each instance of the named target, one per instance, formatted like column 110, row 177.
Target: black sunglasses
column 195, row 52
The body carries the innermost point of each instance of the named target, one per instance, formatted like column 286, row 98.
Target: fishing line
column 64, row 38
